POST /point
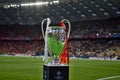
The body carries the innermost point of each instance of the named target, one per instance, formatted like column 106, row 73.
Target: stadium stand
column 95, row 48
column 88, row 39
column 21, row 47
column 95, row 26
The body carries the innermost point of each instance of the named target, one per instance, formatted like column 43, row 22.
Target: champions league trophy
column 56, row 44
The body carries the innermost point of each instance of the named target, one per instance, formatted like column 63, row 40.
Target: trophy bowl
column 55, row 38
column 56, row 41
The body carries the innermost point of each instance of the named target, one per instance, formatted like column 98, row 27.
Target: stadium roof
column 34, row 11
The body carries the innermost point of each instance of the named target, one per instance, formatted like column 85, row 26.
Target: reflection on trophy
column 56, row 44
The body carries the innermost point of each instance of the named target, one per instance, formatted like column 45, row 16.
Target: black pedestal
column 56, row 72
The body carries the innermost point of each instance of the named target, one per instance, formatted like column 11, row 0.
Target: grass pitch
column 27, row 68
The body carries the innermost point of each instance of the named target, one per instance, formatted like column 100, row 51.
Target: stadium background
column 95, row 26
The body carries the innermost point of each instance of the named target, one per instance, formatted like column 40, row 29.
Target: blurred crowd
column 87, row 28
column 24, row 47
column 77, row 48
column 92, row 45
column 20, row 31
column 94, row 29
column 95, row 48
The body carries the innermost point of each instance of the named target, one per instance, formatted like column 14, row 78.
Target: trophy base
column 56, row 72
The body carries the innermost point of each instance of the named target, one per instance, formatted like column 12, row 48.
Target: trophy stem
column 55, row 60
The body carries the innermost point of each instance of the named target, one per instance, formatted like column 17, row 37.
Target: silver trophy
column 56, row 39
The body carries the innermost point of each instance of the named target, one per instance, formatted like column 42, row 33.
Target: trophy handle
column 63, row 58
column 69, row 27
column 45, row 35
column 48, row 23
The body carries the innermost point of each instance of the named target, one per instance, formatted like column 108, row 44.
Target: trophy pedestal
column 56, row 72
